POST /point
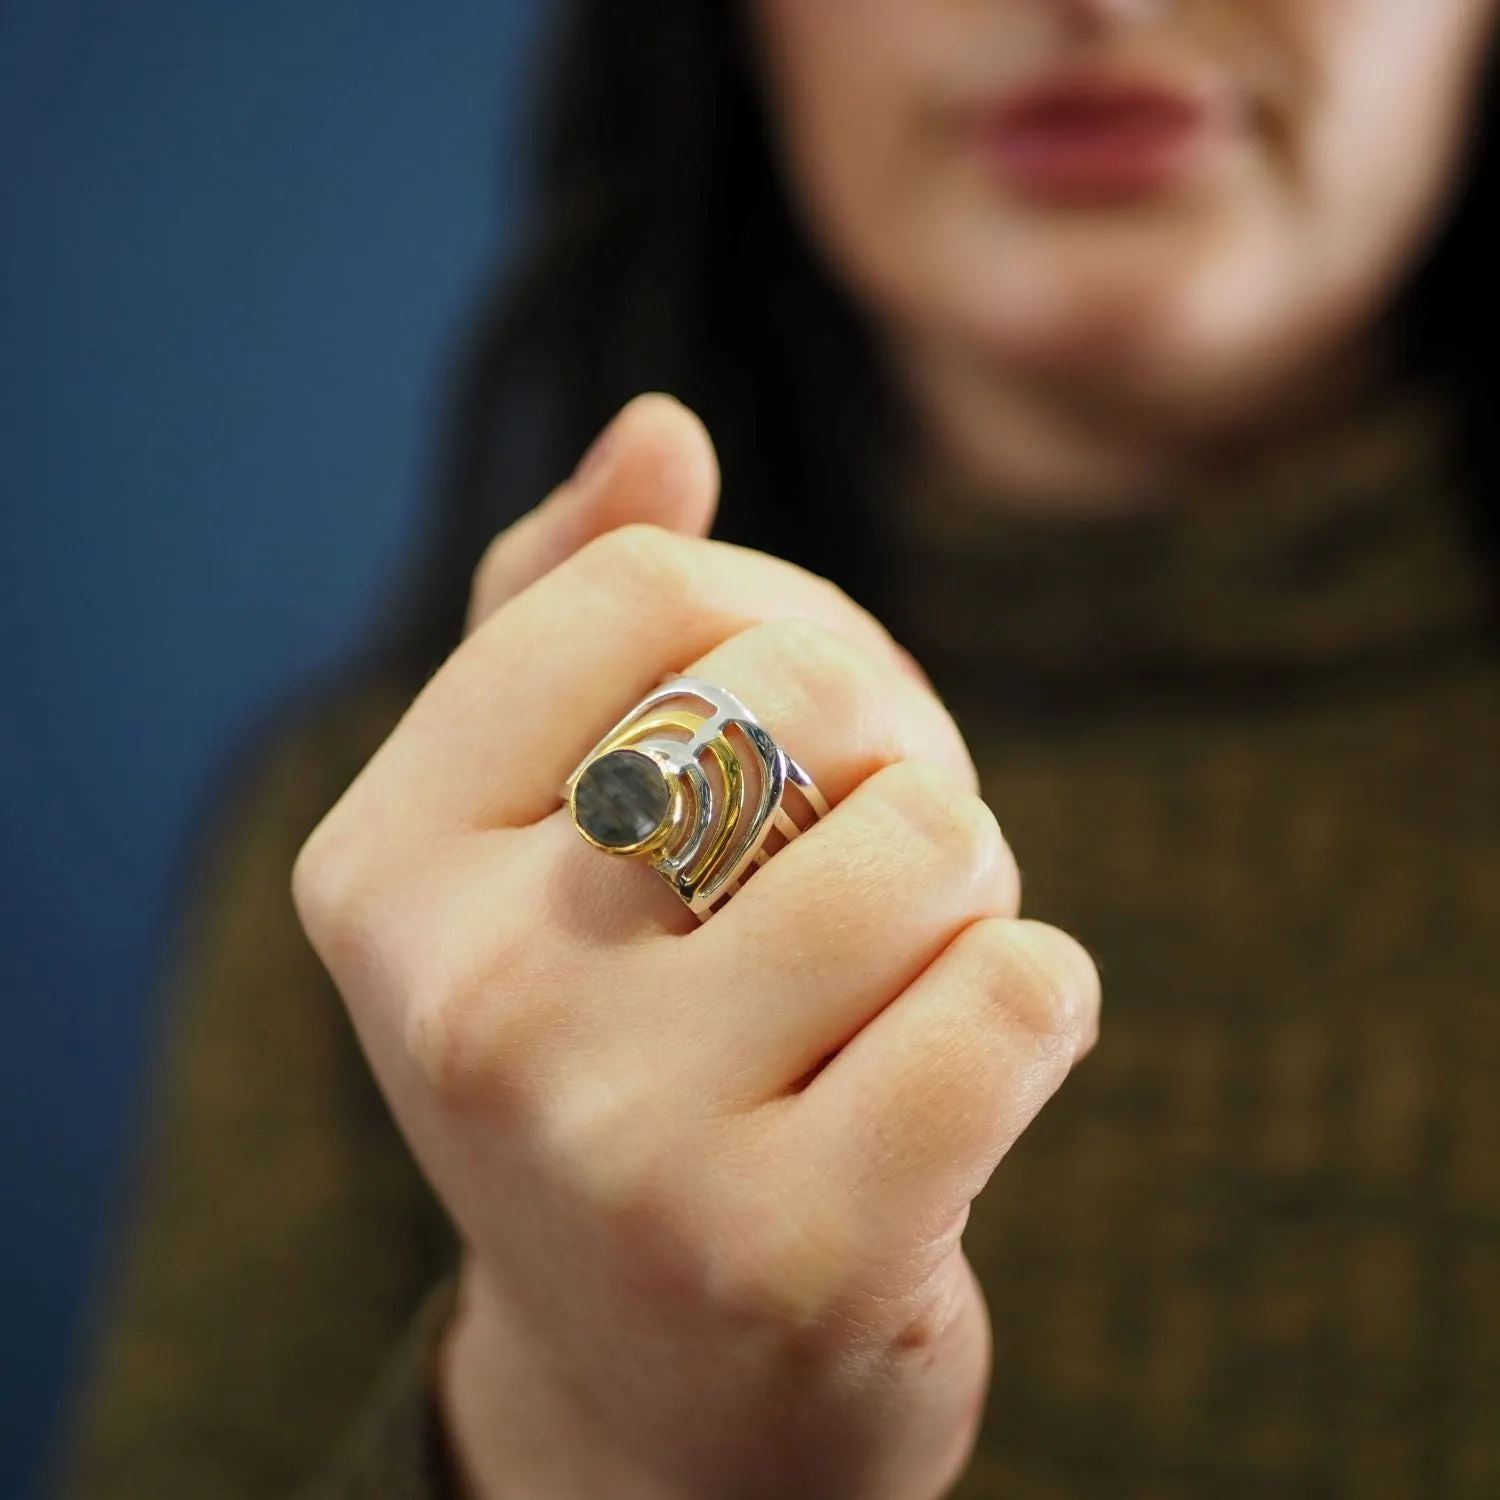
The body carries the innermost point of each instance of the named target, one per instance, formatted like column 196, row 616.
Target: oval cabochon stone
column 621, row 799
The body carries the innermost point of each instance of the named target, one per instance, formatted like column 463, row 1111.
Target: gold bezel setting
column 728, row 783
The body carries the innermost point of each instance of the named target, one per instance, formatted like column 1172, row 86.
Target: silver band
column 690, row 781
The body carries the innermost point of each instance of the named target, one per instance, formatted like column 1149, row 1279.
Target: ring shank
column 729, row 783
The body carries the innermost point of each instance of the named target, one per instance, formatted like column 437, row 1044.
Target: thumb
column 654, row 462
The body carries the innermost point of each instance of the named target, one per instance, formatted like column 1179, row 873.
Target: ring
column 692, row 783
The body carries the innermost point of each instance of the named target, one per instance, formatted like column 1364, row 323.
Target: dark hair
column 665, row 256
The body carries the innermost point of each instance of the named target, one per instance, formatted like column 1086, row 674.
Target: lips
column 1095, row 138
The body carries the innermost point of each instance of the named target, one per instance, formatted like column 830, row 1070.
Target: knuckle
column 839, row 632
column 330, row 887
column 940, row 812
column 365, row 902
column 642, row 563
column 840, row 601
column 829, row 671
column 311, row 880
column 1044, row 981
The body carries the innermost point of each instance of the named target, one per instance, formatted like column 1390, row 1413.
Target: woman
column 1129, row 360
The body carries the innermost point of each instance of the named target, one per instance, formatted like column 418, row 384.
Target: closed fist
column 711, row 1180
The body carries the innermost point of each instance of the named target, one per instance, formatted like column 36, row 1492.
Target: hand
column 710, row 1180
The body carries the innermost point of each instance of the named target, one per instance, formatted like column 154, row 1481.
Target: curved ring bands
column 690, row 781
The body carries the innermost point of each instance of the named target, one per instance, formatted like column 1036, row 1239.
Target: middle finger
column 492, row 737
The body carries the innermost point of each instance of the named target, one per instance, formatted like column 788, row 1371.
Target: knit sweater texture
column 1246, row 747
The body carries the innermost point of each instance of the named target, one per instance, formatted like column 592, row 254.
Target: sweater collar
column 1351, row 548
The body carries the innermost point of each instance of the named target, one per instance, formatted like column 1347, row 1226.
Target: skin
column 690, row 1270
column 1070, row 355
column 711, row 1182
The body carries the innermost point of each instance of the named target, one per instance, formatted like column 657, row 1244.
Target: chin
column 1167, row 318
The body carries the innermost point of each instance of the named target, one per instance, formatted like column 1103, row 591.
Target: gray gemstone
column 621, row 799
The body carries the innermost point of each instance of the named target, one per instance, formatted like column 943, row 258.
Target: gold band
column 691, row 782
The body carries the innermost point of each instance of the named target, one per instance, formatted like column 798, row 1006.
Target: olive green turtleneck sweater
column 1247, row 748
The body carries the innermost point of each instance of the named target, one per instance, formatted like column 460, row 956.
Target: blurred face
column 1180, row 207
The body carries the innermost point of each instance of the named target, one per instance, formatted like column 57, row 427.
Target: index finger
column 497, row 730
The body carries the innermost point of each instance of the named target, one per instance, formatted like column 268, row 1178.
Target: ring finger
column 841, row 919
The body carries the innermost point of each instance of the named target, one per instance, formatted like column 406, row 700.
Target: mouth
column 1097, row 137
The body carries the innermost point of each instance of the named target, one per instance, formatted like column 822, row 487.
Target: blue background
column 235, row 242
